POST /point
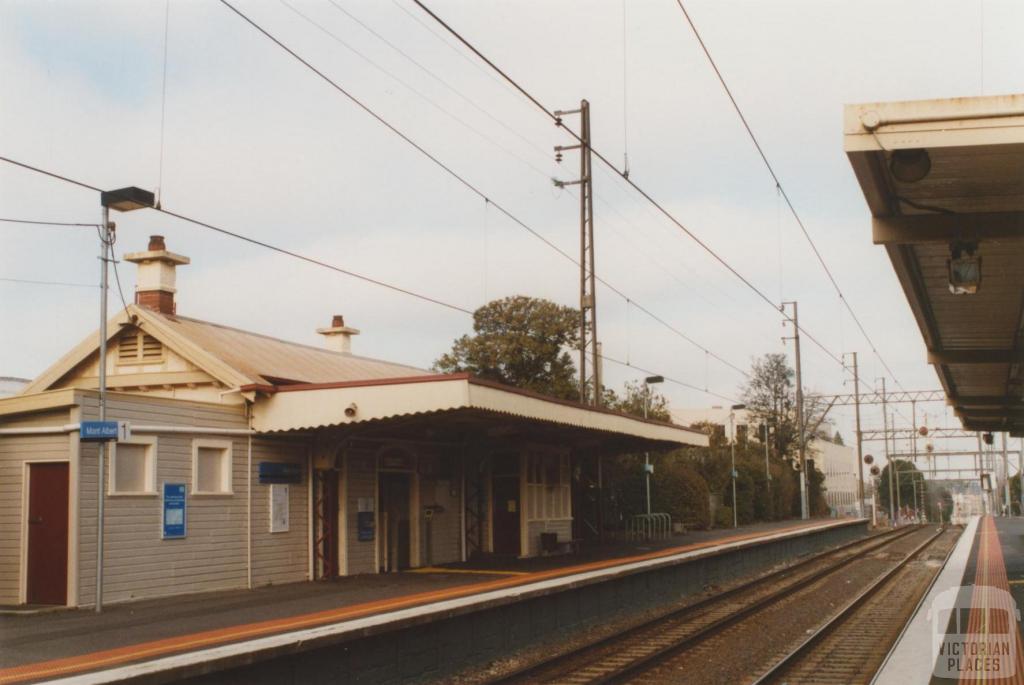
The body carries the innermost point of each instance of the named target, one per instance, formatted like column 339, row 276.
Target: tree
column 908, row 478
column 838, row 439
column 520, row 341
column 637, row 395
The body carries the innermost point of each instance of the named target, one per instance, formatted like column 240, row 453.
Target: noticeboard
column 174, row 511
column 278, row 508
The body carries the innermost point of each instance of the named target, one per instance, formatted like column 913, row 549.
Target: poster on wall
column 278, row 508
column 365, row 519
column 173, row 511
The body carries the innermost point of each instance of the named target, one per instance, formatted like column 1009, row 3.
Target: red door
column 505, row 490
column 48, row 533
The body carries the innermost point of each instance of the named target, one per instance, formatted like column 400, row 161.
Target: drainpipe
column 248, row 499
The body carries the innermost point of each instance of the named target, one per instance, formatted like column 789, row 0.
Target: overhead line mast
column 590, row 388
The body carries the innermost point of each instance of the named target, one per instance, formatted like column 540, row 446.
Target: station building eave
column 457, row 408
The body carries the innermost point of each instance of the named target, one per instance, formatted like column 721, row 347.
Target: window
column 211, row 467
column 135, row 347
column 133, row 467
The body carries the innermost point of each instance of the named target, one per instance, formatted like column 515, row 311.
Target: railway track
column 629, row 654
column 850, row 647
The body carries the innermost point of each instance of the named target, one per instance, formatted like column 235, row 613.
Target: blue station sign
column 104, row 431
column 174, row 511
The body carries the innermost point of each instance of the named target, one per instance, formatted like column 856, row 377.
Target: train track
column 629, row 653
column 850, row 647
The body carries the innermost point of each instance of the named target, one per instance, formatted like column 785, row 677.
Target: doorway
column 325, row 524
column 47, row 581
column 505, row 494
column 395, row 522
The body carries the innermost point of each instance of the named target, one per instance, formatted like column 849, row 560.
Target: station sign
column 104, row 431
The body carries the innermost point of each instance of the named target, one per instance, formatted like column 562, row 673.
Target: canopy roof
column 460, row 407
column 972, row 192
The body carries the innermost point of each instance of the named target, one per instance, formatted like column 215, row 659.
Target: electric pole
column 888, row 461
column 860, row 441
column 588, row 291
column 801, row 441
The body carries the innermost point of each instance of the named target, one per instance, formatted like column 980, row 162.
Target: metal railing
column 649, row 527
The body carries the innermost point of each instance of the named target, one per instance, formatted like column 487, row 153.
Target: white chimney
column 155, row 282
column 338, row 335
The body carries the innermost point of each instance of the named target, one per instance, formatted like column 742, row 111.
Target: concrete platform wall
column 434, row 650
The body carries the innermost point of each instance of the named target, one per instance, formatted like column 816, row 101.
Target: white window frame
column 150, row 444
column 227, row 470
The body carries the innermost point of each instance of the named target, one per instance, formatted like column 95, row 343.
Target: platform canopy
column 944, row 180
column 459, row 408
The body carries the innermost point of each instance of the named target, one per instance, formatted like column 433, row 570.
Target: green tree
column 637, row 395
column 907, row 479
column 520, row 341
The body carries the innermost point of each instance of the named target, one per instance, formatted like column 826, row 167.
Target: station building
column 255, row 461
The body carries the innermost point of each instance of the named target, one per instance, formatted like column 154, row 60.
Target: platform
column 183, row 636
column 967, row 627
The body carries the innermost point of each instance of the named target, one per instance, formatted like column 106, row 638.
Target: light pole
column 648, row 382
column 122, row 200
column 732, row 430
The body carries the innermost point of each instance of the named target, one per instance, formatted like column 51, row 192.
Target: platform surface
column 65, row 643
column 982, row 585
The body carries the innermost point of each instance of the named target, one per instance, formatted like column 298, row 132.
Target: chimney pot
column 156, row 243
column 337, row 321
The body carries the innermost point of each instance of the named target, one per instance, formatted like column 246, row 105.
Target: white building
column 12, row 386
column 839, row 464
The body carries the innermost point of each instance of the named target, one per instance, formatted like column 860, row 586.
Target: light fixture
column 910, row 166
column 127, row 199
column 964, row 269
column 651, row 380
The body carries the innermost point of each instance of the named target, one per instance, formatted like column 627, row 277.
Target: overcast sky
column 256, row 143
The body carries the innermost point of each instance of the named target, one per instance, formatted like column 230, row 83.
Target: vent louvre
column 128, row 349
column 151, row 348
column 136, row 347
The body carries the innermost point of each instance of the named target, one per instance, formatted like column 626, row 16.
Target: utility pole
column 588, row 290
column 100, row 476
column 888, row 462
column 801, row 438
column 860, row 441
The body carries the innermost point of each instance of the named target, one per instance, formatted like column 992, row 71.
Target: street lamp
column 121, row 200
column 648, row 382
column 732, row 431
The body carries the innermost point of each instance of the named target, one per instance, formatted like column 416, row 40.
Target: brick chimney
column 155, row 281
column 338, row 336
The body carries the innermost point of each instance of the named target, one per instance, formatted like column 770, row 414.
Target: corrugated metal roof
column 270, row 360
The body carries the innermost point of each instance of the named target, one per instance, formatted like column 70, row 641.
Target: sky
column 231, row 130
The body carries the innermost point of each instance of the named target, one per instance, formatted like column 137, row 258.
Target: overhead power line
column 625, row 177
column 783, row 193
column 469, row 185
column 33, row 282
column 296, row 255
column 49, row 223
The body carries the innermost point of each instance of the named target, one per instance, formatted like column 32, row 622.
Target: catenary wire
column 782, row 192
column 465, row 182
column 604, row 160
column 296, row 255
